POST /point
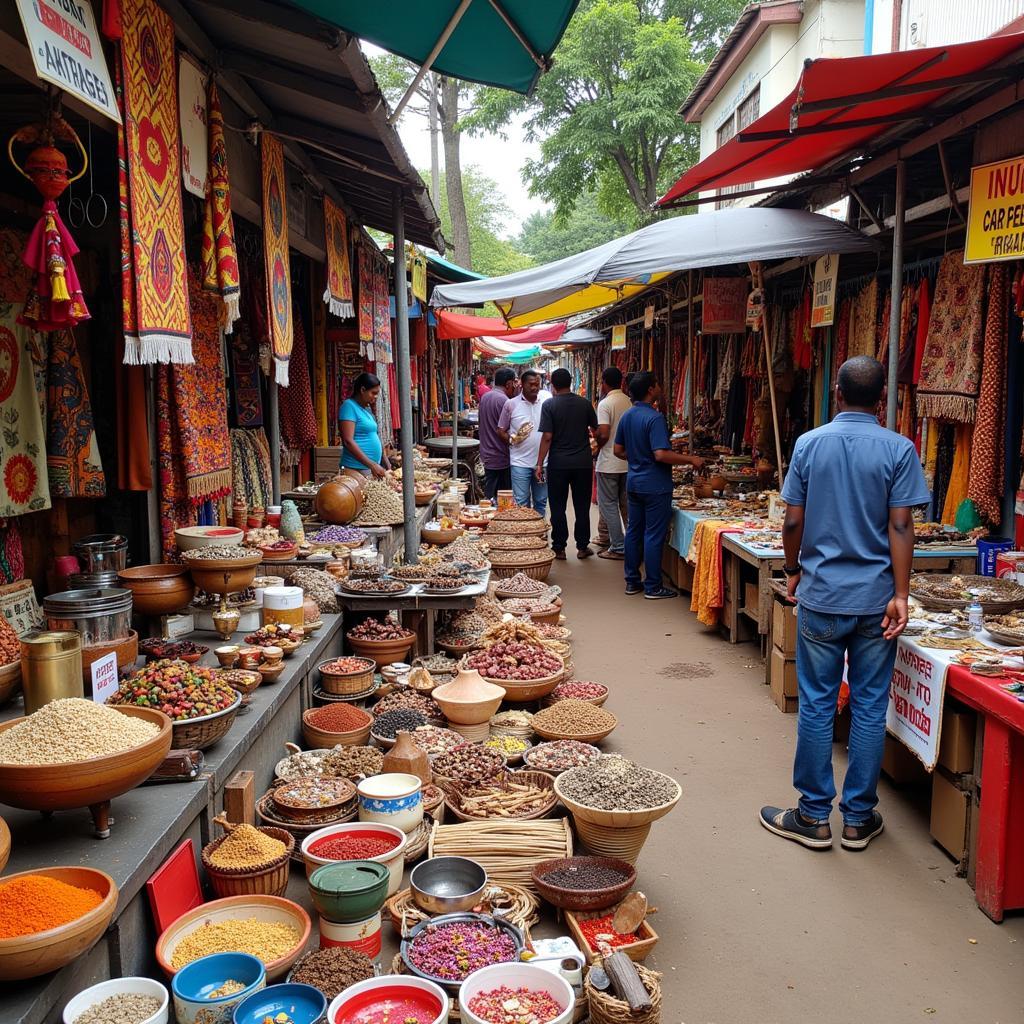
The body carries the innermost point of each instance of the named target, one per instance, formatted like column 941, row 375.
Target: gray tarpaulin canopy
column 625, row 266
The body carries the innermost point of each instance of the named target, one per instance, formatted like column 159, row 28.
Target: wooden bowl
column 60, row 787
column 383, row 652
column 583, row 899
column 263, row 908
column 127, row 652
column 28, row 956
column 10, row 680
column 339, row 501
column 271, row 554
column 224, row 575
column 590, row 737
column 456, row 650
column 5, row 843
column 319, row 738
column 440, row 536
column 158, row 589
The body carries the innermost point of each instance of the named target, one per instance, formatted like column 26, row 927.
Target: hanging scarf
column 12, row 556
column 55, row 299
column 381, row 313
column 924, row 312
column 72, row 453
column 277, row 266
column 951, row 367
column 986, row 481
column 338, row 294
column 157, row 324
column 384, row 411
column 250, row 467
column 220, row 257
column 295, row 403
column 366, row 322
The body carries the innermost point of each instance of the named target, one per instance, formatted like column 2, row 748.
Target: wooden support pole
column 757, row 274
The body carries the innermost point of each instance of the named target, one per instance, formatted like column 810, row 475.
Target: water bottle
column 975, row 616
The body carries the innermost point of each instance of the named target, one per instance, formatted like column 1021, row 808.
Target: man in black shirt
column 566, row 423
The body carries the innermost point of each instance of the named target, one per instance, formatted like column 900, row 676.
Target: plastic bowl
column 192, row 985
column 516, row 976
column 364, row 995
column 77, row 1005
column 394, row 859
column 304, row 1004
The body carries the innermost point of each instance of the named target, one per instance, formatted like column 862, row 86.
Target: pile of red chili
column 599, row 930
column 338, row 718
column 354, row 846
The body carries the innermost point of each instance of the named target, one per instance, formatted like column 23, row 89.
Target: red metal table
column 999, row 864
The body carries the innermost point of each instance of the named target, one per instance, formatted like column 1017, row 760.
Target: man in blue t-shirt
column 642, row 440
column 849, row 541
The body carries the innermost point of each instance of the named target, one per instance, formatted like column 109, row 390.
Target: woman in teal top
column 361, row 448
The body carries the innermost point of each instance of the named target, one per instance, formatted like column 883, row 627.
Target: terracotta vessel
column 408, row 758
column 339, row 500
column 469, row 699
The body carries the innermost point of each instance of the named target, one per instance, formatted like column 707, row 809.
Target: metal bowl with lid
column 102, row 552
column 101, row 614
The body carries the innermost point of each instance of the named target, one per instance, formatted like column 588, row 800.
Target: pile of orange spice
column 36, row 903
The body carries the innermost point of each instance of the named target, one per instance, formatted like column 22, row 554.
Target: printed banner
column 995, row 221
column 195, row 158
column 915, row 699
column 618, row 337
column 823, row 307
column 725, row 305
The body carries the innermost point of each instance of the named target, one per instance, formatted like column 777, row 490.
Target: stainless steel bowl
column 446, row 885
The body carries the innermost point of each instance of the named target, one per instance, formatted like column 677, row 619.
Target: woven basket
column 338, row 685
column 416, row 844
column 518, row 528
column 515, row 542
column 518, row 905
column 584, row 899
column 606, row 1009
column 456, row 650
column 522, row 691
column 455, row 794
column 269, row 880
column 319, row 738
column 200, row 733
column 536, row 571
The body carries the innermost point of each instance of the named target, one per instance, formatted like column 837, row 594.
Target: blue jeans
column 823, row 641
column 649, row 518
column 526, row 491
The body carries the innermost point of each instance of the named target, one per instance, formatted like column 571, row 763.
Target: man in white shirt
column 611, row 470
column 519, row 426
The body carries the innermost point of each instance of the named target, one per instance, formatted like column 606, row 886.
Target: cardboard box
column 900, row 764
column 949, row 815
column 752, row 598
column 784, row 627
column 783, row 681
column 956, row 748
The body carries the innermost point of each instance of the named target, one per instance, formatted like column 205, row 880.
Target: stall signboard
column 19, row 607
column 67, row 50
column 648, row 317
column 618, row 336
column 195, row 144
column 915, row 700
column 725, row 305
column 823, row 306
column 995, row 221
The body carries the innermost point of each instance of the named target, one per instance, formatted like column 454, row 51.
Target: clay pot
column 158, row 589
column 469, row 699
column 703, row 490
column 340, row 500
column 407, row 757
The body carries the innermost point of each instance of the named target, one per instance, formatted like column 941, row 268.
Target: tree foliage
column 545, row 237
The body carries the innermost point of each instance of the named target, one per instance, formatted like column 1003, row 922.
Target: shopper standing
column 642, row 439
column 519, row 427
column 566, row 423
column 611, row 470
column 849, row 541
column 493, row 448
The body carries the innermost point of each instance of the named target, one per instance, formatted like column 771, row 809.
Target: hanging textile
column 134, row 470
column 250, row 467
column 863, row 321
column 802, row 334
column 220, row 256
column 381, row 314
column 951, row 368
column 320, row 374
column 72, row 453
column 157, row 324
column 986, row 482
column 12, row 557
column 276, row 263
column 295, row 404
column 956, row 489
column 338, row 294
column 55, row 299
column 924, row 308
column 419, row 275
column 384, row 422
column 366, row 321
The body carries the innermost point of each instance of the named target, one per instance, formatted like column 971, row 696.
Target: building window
column 748, row 111
column 726, row 131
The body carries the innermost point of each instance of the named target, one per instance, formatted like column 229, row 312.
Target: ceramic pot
column 339, row 501
column 393, row 799
column 349, row 891
column 406, row 756
column 469, row 699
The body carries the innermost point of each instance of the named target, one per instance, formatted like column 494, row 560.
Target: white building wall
column 940, row 22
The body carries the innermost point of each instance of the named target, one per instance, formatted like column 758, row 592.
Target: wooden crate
column 636, row 951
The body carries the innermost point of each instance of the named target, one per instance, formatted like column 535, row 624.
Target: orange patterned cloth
column 157, row 321
column 275, row 255
column 338, row 294
column 708, row 595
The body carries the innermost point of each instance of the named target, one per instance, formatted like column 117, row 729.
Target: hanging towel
column 157, row 323
column 338, row 294
column 276, row 264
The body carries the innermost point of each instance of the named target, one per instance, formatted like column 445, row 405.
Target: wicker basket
column 606, row 1009
column 344, row 685
column 200, row 733
column 590, row 737
column 535, row 570
column 454, row 795
column 269, row 880
column 518, row 905
column 455, row 650
column 646, row 937
column 319, row 738
column 523, row 691
column 586, row 900
column 519, row 528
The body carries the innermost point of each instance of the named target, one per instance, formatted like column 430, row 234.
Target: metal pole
column 275, row 441
column 689, row 359
column 404, row 373
column 895, row 296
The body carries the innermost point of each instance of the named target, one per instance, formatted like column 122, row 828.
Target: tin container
column 1010, row 565
column 102, row 615
column 102, row 552
column 988, row 554
column 362, row 936
column 51, row 667
column 283, row 604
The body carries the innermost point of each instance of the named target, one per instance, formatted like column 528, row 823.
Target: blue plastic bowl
column 192, row 985
column 303, row 1003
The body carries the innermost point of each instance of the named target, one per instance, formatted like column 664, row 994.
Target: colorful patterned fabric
column 338, row 294
column 951, row 368
column 55, row 300
column 12, row 557
column 956, row 490
column 381, row 313
column 277, row 266
column 366, row 323
column 320, row 377
column 220, row 257
column 295, row 404
column 72, row 453
column 863, row 321
column 250, row 467
column 158, row 327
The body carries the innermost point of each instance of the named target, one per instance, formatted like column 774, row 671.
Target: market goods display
column 374, row 586
column 388, row 725
column 516, row 514
column 181, row 691
column 510, row 747
column 246, row 847
column 37, row 903
column 572, row 718
column 520, row 795
column 156, row 647
column 338, row 717
column 268, row 940
column 382, row 505
column 221, row 553
column 332, row 970
column 349, row 536
column 515, row 542
column 500, row 558
column 530, row 606
column 318, row 585
column 579, row 689
column 561, row 755
column 515, row 903
column 516, row 661
column 376, row 629
column 613, row 783
column 341, row 762
column 548, row 631
column 512, row 723
column 597, row 937
column 467, row 764
column 532, row 528
column 504, row 1005
column 412, row 573
column 519, row 585
column 276, row 634
column 452, row 951
column 584, row 883
column 994, row 594
column 447, row 584
column 607, row 1008
column 434, row 740
column 437, row 664
column 123, row 1008
column 248, row 861
column 69, row 730
column 410, row 699
column 310, row 795
column 354, row 845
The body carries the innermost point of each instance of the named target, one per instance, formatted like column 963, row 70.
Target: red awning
column 462, row 325
column 865, row 94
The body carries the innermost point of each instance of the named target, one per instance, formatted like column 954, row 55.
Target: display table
column 148, row 824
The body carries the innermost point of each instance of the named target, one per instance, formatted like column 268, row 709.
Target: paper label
column 104, row 677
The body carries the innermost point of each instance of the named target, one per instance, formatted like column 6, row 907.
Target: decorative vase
column 469, row 699
column 407, row 757
column 291, row 521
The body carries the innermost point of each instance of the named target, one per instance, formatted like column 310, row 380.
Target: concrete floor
column 754, row 929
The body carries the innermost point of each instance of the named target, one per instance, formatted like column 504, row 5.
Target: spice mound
column 506, row 1005
column 246, row 847
column 388, row 725
column 360, row 845
column 600, row 934
column 615, row 783
column 469, row 763
column 37, row 903
column 124, row 1008
column 10, row 645
column 72, row 729
column 454, row 951
column 514, row 660
column 179, row 690
column 574, row 717
column 375, row 629
column 269, row 940
column 561, row 755
column 224, row 551
column 332, row 970
column 579, row 689
column 583, row 877
column 338, row 718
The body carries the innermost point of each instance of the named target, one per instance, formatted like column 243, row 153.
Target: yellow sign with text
column 995, row 222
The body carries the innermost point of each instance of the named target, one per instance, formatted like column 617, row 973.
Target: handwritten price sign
column 915, row 700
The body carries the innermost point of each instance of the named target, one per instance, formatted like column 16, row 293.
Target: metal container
column 93, row 580
column 102, row 615
column 446, row 885
column 102, row 552
column 51, row 667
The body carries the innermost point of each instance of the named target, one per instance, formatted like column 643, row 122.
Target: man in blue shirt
column 642, row 440
column 849, row 541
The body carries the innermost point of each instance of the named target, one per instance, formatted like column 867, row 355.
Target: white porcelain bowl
column 394, row 859
column 354, row 997
column 516, row 976
column 393, row 798
column 77, row 1005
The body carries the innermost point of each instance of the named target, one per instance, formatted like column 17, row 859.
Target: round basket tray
column 1002, row 637
column 502, row 594
column 269, row 879
column 416, row 844
column 516, row 903
column 605, row 1008
column 201, row 733
column 583, row 899
column 615, row 819
column 346, row 684
column 590, row 737
column 515, row 542
column 265, row 814
column 519, row 527
column 535, row 570
column 520, row 692
column 455, row 794
column 322, row 697
column 1013, row 599
column 457, row 650
column 596, row 701
column 355, row 591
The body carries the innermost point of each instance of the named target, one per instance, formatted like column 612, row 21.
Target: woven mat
column 521, row 905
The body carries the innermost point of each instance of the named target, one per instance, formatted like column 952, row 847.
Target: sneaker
column 791, row 824
column 661, row 594
column 857, row 837
column 633, row 588
column 584, row 553
column 615, row 556
column 560, row 555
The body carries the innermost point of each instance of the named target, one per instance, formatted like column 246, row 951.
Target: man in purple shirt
column 493, row 450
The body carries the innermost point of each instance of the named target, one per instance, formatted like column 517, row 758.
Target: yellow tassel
column 58, row 286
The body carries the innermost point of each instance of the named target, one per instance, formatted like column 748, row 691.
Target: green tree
column 606, row 114
column 545, row 237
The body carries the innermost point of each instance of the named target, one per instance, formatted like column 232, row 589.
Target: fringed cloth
column 276, row 263
column 338, row 294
